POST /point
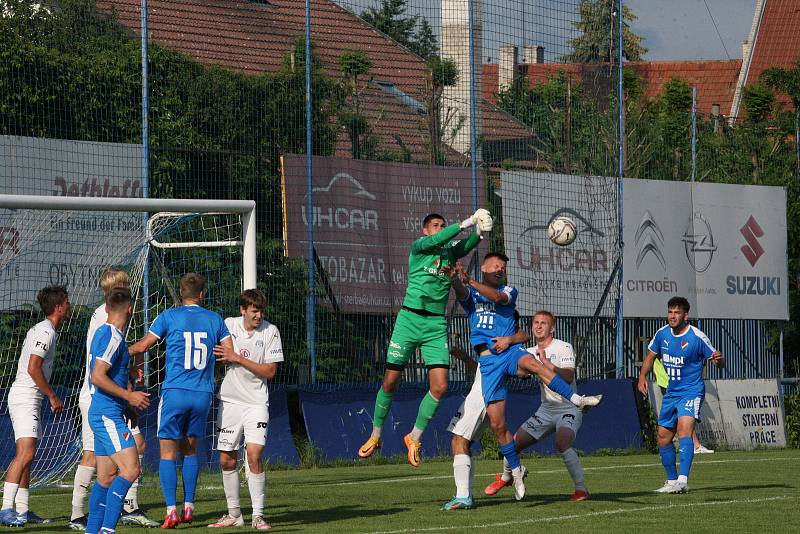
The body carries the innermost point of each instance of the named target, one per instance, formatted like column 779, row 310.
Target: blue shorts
column 111, row 433
column 679, row 404
column 183, row 413
column 495, row 368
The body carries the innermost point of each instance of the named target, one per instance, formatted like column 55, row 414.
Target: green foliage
column 390, row 18
column 440, row 73
column 363, row 142
column 758, row 102
column 792, row 405
column 443, row 72
column 786, row 81
column 354, row 63
column 597, row 44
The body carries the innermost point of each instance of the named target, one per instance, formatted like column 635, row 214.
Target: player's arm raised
column 226, row 353
column 647, row 366
column 35, row 362
column 456, row 274
column 496, row 296
column 100, row 379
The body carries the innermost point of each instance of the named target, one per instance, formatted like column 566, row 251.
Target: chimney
column 533, row 54
column 455, row 46
column 507, row 70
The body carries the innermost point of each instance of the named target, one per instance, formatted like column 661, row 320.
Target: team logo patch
column 126, row 435
column 245, row 353
column 684, row 344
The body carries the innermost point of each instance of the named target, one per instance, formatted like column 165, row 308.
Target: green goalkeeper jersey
column 428, row 287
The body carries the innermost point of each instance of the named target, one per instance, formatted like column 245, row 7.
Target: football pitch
column 729, row 492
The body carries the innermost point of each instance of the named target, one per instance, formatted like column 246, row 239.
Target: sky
column 672, row 29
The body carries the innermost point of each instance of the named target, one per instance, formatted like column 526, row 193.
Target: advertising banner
column 67, row 248
column 365, row 216
column 721, row 246
column 738, row 414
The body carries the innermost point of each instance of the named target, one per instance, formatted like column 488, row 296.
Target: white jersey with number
column 41, row 341
column 561, row 355
column 263, row 345
column 99, row 318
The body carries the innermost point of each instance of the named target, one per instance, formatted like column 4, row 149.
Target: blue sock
column 509, row 450
column 191, row 470
column 97, row 508
column 667, row 453
column 115, row 499
column 168, row 473
column 686, row 446
column 561, row 387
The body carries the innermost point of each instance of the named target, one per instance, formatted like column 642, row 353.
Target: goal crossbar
column 153, row 205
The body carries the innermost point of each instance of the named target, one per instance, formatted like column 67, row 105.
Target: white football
column 562, row 231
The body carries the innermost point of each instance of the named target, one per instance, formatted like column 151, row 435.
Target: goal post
column 70, row 241
column 247, row 209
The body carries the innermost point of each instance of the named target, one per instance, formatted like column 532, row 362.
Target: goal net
column 70, row 241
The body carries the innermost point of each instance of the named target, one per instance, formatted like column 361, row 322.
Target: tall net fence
column 402, row 92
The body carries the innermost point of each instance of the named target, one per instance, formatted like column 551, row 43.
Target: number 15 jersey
column 191, row 333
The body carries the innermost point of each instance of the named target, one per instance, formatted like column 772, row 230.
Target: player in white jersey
column 31, row 385
column 81, row 483
column 555, row 414
column 244, row 404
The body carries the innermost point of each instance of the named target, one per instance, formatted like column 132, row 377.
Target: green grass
column 729, row 492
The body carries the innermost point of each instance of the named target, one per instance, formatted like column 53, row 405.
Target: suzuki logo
column 649, row 241
column 698, row 241
column 753, row 249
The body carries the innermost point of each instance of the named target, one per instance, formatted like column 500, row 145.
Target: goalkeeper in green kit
column 421, row 323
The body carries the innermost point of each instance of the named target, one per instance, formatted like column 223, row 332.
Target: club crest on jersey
column 245, row 353
column 684, row 344
column 126, row 435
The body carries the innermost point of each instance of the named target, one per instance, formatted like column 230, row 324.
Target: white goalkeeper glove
column 485, row 224
column 473, row 220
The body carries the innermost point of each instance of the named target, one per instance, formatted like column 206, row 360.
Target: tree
column 355, row 63
column 390, row 18
column 598, row 40
column 440, row 73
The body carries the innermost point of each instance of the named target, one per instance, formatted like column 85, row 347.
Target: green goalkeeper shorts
column 412, row 331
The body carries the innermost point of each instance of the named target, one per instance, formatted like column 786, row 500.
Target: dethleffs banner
column 365, row 215
column 721, row 246
column 70, row 250
column 738, row 414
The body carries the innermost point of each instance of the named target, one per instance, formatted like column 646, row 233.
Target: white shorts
column 25, row 411
column 470, row 420
column 87, row 435
column 235, row 420
column 547, row 420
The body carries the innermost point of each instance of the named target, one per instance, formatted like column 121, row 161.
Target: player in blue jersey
column 115, row 449
column 491, row 307
column 683, row 349
column 191, row 332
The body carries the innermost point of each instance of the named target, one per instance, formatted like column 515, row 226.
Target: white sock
column 230, row 483
column 171, row 509
column 683, row 479
column 506, row 476
column 80, row 489
column 471, row 476
column 416, row 433
column 21, row 500
column 461, row 469
column 376, row 432
column 188, row 504
column 9, row 494
column 131, row 498
column 255, row 483
column 516, row 472
column 574, row 467
column 575, row 399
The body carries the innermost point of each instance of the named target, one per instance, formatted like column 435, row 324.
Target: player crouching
column 244, row 406
column 115, row 449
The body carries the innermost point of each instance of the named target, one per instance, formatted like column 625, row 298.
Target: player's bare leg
column 528, row 365
column 391, row 379
column 437, row 387
column 496, row 411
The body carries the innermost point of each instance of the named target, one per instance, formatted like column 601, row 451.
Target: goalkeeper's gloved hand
column 473, row 220
column 485, row 224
